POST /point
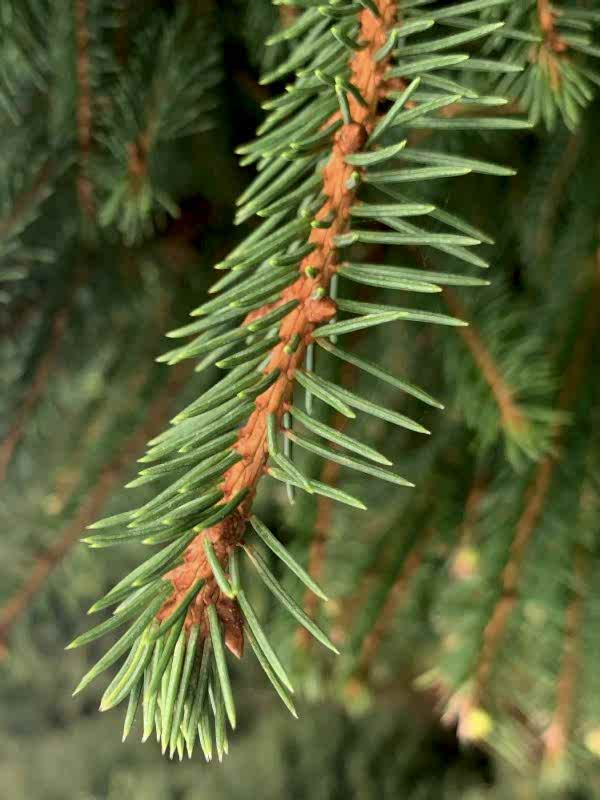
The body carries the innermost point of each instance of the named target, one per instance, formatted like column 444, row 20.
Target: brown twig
column 553, row 45
column 535, row 499
column 85, row 188
column 510, row 414
column 546, row 17
column 313, row 309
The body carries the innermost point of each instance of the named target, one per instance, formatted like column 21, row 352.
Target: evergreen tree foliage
column 366, row 443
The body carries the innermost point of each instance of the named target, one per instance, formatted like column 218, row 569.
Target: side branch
column 510, row 413
column 536, row 497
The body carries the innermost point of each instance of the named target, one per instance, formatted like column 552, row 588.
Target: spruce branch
column 148, row 115
column 313, row 308
column 322, row 188
column 510, row 413
column 505, row 381
column 534, row 502
column 485, row 574
column 556, row 47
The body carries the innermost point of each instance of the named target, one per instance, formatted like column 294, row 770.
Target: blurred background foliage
column 113, row 207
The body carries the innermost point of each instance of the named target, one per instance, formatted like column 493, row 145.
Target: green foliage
column 302, row 363
column 557, row 46
column 293, row 149
column 164, row 95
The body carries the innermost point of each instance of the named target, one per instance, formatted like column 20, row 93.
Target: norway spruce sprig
column 146, row 118
column 335, row 171
column 556, row 44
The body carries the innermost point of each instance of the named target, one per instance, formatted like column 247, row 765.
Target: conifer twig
column 322, row 146
column 511, row 415
column 535, row 498
column 314, row 309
